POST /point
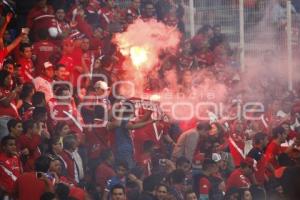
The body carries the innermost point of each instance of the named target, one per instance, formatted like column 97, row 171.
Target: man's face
column 149, row 10
column 248, row 171
column 283, row 137
column 10, row 68
column 121, row 171
column 18, row 129
column 136, row 4
column 68, row 48
column 286, row 128
column 27, row 53
column 171, row 20
column 62, row 74
column 101, row 92
column 85, row 44
column 49, row 72
column 161, row 192
column 10, row 148
column 118, row 194
column 55, row 166
column 186, row 167
column 60, row 14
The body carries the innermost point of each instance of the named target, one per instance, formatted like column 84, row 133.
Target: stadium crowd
column 65, row 136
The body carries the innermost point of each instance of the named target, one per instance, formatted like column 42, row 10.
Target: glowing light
column 139, row 56
column 155, row 97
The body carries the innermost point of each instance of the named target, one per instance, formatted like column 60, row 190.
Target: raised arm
column 15, row 43
column 8, row 18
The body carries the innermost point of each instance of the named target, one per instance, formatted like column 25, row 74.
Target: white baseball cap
column 47, row 65
column 102, row 85
column 216, row 157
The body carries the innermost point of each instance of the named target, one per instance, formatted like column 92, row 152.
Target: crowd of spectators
column 64, row 136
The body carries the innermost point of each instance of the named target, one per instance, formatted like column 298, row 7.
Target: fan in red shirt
column 41, row 17
column 260, row 141
column 274, row 149
column 242, row 177
column 105, row 170
column 31, row 139
column 71, row 58
column 97, row 140
column 8, row 96
column 32, row 185
column 108, row 14
column 154, row 132
column 27, row 68
column 10, row 164
column 42, row 51
column 63, row 108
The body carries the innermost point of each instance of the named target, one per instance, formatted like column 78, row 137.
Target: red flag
column 236, row 152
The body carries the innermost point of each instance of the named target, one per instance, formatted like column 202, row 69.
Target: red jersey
column 32, row 144
column 27, row 69
column 258, row 154
column 67, row 112
column 10, row 110
column 42, row 50
column 10, row 170
column 97, row 141
column 77, row 193
column 104, row 172
column 153, row 132
column 238, row 180
column 28, row 186
column 272, row 152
